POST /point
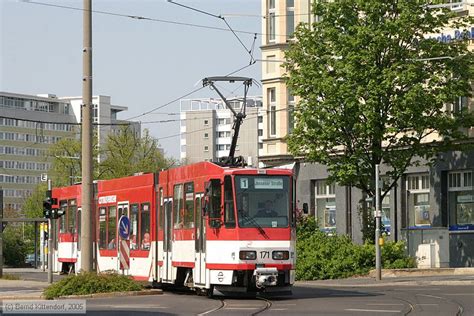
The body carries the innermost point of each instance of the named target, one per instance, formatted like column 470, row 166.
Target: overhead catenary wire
column 137, row 17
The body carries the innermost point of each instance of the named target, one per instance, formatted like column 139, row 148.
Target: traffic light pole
column 50, row 241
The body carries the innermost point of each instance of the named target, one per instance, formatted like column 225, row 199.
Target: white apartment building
column 206, row 128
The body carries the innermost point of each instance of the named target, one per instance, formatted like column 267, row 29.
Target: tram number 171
column 264, row 254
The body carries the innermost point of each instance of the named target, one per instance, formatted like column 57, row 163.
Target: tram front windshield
column 262, row 201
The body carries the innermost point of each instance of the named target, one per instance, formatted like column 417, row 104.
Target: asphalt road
column 306, row 300
column 429, row 295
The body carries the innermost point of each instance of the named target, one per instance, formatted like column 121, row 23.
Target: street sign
column 44, row 177
column 124, row 227
column 124, row 254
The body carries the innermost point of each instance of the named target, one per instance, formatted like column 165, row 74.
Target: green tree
column 374, row 88
column 126, row 154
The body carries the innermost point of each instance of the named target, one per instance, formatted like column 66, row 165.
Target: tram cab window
column 134, row 242
column 102, row 228
column 178, row 207
column 189, row 205
column 162, row 210
column 229, row 215
column 145, row 227
column 63, row 219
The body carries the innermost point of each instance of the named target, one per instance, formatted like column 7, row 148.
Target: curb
column 392, row 273
column 95, row 295
column 383, row 284
column 116, row 294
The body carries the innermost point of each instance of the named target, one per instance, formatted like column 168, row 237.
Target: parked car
column 30, row 259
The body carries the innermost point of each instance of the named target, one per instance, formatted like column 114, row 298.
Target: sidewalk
column 402, row 277
column 21, row 289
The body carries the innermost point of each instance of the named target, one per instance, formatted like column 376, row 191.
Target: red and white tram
column 215, row 229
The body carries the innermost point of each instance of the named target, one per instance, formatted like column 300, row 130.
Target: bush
column 90, row 283
column 320, row 256
column 15, row 249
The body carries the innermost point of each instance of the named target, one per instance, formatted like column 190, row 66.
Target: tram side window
column 189, row 206
column 112, row 227
column 215, row 211
column 162, row 210
column 102, row 228
column 134, row 242
column 71, row 219
column 63, row 219
column 229, row 215
column 178, row 206
column 145, row 226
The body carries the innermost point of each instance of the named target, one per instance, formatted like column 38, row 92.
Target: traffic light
column 48, row 211
column 57, row 213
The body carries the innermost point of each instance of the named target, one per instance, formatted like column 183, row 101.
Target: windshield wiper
column 254, row 223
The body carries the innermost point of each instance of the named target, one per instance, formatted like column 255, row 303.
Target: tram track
column 224, row 304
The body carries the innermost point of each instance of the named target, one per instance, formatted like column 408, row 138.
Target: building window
column 271, row 24
column 206, row 135
column 461, row 199
column 291, row 111
column 326, row 205
column 206, row 122
column 270, row 64
column 290, row 18
column 206, row 148
column 260, row 132
column 272, row 111
column 260, row 145
column 260, row 119
column 418, row 189
column 459, row 104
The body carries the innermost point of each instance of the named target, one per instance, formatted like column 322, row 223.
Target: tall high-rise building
column 29, row 125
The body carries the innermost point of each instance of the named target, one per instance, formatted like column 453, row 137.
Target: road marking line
column 427, row 304
column 385, row 304
column 456, row 294
column 372, row 310
column 279, row 309
column 240, row 307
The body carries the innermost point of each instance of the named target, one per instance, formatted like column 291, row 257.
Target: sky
column 141, row 64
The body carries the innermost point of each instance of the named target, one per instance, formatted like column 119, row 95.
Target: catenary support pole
column 377, row 225
column 86, row 213
column 50, row 241
column 1, row 232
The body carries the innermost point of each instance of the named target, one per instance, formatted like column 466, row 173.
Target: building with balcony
column 431, row 207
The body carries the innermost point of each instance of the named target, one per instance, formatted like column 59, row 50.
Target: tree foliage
column 374, row 87
column 370, row 93
column 127, row 154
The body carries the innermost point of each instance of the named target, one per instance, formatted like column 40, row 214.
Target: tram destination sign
column 268, row 183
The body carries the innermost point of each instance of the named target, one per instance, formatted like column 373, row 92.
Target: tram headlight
column 247, row 255
column 280, row 255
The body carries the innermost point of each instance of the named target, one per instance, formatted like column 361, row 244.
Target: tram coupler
column 265, row 277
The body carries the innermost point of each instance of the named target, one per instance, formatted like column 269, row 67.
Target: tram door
column 167, row 241
column 122, row 211
column 200, row 244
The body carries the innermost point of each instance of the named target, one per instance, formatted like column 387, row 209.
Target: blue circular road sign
column 124, row 227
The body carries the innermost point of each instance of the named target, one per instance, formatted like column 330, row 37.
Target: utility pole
column 87, row 215
column 378, row 214
column 51, row 222
column 1, row 232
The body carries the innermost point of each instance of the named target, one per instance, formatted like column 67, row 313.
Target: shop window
column 418, row 200
column 145, row 226
column 461, row 200
column 326, row 205
column 189, row 206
